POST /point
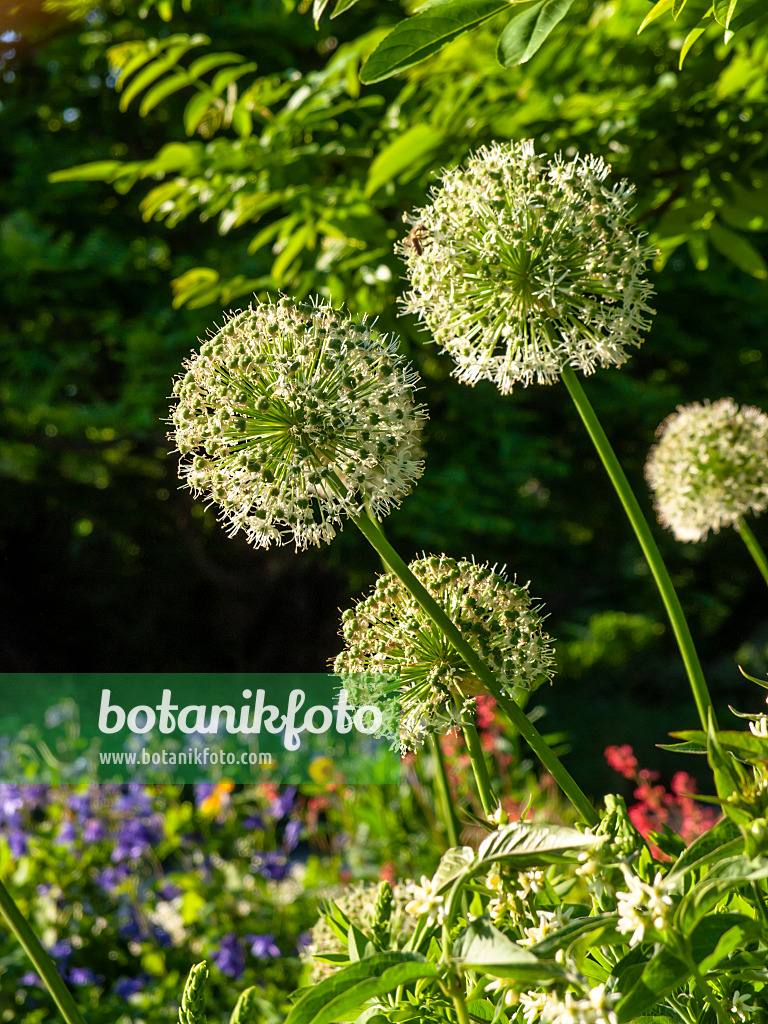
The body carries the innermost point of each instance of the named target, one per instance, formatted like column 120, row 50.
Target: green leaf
column 527, row 845
column 723, row 11
column 425, row 34
column 662, row 974
column 195, row 110
column 483, row 948
column 741, row 743
column 226, row 76
column 690, row 39
column 705, row 848
column 99, row 170
column 350, row 988
column 729, row 874
column 601, row 930
column 741, row 252
column 453, row 864
column 408, row 152
column 317, row 10
column 677, row 8
column 683, row 748
column 162, row 90
column 157, row 68
column 202, row 65
column 341, row 6
column 656, row 12
column 525, row 33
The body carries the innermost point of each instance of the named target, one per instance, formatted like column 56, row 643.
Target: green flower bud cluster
column 191, row 1009
column 709, row 467
column 521, row 266
column 293, row 416
column 389, row 633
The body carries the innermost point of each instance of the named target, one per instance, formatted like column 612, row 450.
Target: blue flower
column 229, row 957
column 282, row 805
column 126, row 987
column 263, row 947
column 292, row 833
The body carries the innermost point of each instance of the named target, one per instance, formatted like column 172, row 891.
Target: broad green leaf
column 99, row 170
column 317, row 10
column 525, row 33
column 408, row 151
column 741, row 252
column 740, row 742
column 690, row 39
column 728, row 875
column 351, row 987
column 157, row 68
column 659, row 8
column 162, row 90
column 341, row 6
column 723, row 11
column 580, row 928
column 683, row 748
column 483, row 948
column 662, row 974
column 194, row 285
column 423, row 35
column 677, row 8
column 226, row 76
column 195, row 109
column 453, row 864
column 202, row 65
column 529, row 845
column 705, row 848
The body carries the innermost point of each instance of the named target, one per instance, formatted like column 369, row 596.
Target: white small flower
column 533, row 1004
column 503, row 907
column 531, row 881
column 709, row 467
column 740, row 1007
column 427, row 902
column 293, row 417
column 526, row 265
column 760, row 727
column 493, row 881
column 548, row 921
column 641, row 906
column 510, row 995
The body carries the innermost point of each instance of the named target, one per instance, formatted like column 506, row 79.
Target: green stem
column 42, row 962
column 753, row 546
column 480, row 768
column 444, row 793
column 647, row 543
column 519, row 719
column 459, row 1002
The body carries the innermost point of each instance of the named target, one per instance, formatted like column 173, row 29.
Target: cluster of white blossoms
column 642, row 906
column 709, row 467
column 427, row 902
column 521, row 266
column 594, row 1006
column 293, row 416
column 388, row 632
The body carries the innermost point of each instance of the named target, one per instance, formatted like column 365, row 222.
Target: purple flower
column 67, row 833
column 80, row 805
column 30, row 979
column 272, row 865
column 126, row 987
column 282, row 805
column 229, row 957
column 94, row 830
column 291, row 835
column 263, row 946
column 61, row 951
column 135, row 837
column 111, row 878
column 253, row 821
column 84, row 976
column 134, row 798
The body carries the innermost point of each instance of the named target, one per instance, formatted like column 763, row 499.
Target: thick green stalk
column 480, row 768
column 647, row 543
column 444, row 793
column 519, row 719
column 753, row 546
column 42, row 962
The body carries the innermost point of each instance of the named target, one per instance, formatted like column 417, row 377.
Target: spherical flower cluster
column 709, row 468
column 293, row 416
column 642, row 906
column 389, row 633
column 521, row 266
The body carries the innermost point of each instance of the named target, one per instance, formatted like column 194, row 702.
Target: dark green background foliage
column 291, row 175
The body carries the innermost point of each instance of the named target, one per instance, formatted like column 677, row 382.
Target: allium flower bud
column 293, row 416
column 522, row 266
column 389, row 633
column 709, row 468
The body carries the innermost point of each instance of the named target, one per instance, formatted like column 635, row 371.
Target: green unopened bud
column 246, row 1009
column 191, row 1009
column 382, row 913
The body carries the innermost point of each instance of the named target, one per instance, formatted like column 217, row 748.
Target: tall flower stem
column 518, row 718
column 444, row 792
column 42, row 962
column 647, row 543
column 480, row 768
column 753, row 546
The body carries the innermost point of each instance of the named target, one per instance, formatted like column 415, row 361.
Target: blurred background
column 274, row 169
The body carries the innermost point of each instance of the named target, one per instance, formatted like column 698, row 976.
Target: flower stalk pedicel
column 293, row 417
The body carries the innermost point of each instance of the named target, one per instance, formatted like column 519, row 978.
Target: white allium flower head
column 709, row 467
column 522, row 265
column 293, row 416
column 389, row 633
